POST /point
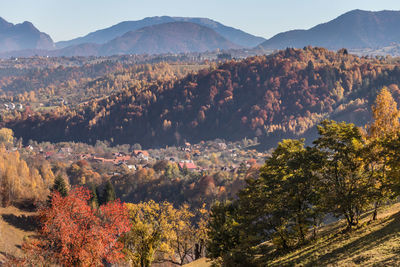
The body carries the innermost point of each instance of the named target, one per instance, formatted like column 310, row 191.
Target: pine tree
column 94, row 199
column 99, row 195
column 60, row 186
column 109, row 193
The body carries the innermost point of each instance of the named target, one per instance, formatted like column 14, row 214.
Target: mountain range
column 356, row 29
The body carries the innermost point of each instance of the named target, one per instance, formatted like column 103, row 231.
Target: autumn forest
column 248, row 154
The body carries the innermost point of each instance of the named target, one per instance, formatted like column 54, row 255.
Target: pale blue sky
column 66, row 19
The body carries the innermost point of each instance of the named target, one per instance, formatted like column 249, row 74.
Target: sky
column 67, row 19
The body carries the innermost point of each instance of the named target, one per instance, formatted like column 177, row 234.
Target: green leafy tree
column 344, row 183
column 282, row 202
column 223, row 237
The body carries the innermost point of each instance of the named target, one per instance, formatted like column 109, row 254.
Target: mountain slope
column 22, row 36
column 355, row 29
column 173, row 37
column 103, row 36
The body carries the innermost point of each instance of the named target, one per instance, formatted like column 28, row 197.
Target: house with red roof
column 189, row 166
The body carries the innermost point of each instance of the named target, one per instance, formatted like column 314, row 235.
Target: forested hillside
column 269, row 97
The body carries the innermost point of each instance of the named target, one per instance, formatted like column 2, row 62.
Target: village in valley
column 204, row 157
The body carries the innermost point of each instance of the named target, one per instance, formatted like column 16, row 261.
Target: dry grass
column 203, row 262
column 15, row 224
column 372, row 244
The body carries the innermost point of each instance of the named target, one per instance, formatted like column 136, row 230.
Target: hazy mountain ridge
column 173, row 37
column 22, row 36
column 362, row 32
column 353, row 30
column 102, row 36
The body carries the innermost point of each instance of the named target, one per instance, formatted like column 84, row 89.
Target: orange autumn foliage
column 75, row 234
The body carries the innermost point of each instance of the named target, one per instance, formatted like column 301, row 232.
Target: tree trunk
column 197, row 252
column 375, row 213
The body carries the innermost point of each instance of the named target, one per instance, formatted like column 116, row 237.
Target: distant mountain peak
column 4, row 23
column 355, row 29
column 105, row 35
column 22, row 36
column 171, row 37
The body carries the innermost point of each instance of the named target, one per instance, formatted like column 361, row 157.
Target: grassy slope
column 373, row 244
column 203, row 262
column 15, row 224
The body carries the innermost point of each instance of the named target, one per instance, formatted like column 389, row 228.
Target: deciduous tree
column 75, row 234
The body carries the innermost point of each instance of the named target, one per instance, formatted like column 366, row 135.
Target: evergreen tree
column 108, row 193
column 94, row 199
column 60, row 186
column 100, row 199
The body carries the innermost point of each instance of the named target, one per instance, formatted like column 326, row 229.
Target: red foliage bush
column 75, row 234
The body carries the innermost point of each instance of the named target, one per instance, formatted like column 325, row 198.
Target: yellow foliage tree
column 19, row 182
column 384, row 128
column 150, row 235
column 6, row 136
column 162, row 233
column 385, row 116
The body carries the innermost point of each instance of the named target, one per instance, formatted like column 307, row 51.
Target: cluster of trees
column 20, row 182
column 79, row 229
column 265, row 96
column 346, row 172
column 161, row 233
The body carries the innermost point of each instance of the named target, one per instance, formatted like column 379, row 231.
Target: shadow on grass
column 366, row 242
column 23, row 222
column 309, row 256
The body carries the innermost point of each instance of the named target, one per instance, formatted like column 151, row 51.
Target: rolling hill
column 269, row 97
column 353, row 30
column 105, row 35
column 22, row 36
